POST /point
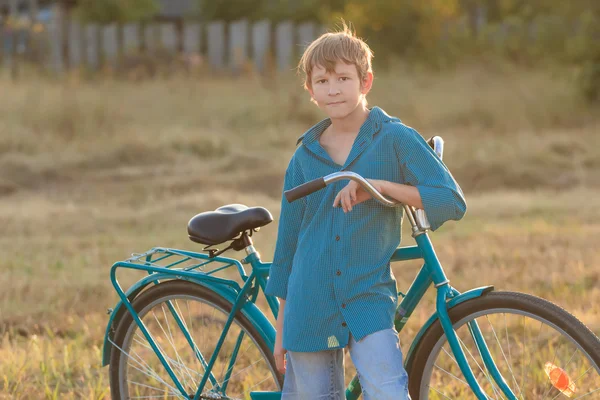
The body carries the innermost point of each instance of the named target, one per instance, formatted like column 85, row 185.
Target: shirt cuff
column 276, row 286
column 439, row 205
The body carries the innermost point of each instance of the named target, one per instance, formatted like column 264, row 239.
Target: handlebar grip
column 304, row 190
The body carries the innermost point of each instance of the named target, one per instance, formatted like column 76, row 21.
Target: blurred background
column 120, row 120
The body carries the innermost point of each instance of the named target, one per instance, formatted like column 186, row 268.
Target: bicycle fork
column 443, row 294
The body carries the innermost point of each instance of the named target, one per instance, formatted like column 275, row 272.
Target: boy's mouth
column 335, row 103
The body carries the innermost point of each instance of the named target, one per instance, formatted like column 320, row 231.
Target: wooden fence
column 224, row 47
column 59, row 44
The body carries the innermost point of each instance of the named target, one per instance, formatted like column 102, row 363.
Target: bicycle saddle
column 225, row 223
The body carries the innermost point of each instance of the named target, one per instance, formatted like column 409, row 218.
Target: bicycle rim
column 141, row 375
column 537, row 358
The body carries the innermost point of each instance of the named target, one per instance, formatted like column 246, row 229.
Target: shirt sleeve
column 442, row 198
column 290, row 222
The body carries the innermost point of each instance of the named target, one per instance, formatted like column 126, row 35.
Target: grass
column 93, row 171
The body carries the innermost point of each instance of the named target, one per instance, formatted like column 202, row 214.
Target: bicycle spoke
column 587, row 394
column 190, row 329
column 223, row 372
column 166, row 357
column 172, row 342
column 509, row 353
column 147, row 369
column 169, row 360
column 529, row 365
column 254, row 363
column 255, row 385
column 435, row 390
column 501, row 350
column 451, row 374
column 487, row 376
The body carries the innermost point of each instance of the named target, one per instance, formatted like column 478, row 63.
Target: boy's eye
column 322, row 81
column 344, row 78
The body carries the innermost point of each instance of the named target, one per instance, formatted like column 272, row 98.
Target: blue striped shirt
column 333, row 268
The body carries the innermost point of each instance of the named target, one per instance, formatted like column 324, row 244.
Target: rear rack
column 161, row 257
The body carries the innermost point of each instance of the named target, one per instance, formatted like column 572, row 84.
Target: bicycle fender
column 461, row 298
column 249, row 310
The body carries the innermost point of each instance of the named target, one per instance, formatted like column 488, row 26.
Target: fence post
column 55, row 36
column 131, row 37
column 109, row 45
column 14, row 30
column 284, row 45
column 216, row 44
column 261, row 44
column 2, row 19
column 75, row 44
column 238, row 45
column 191, row 38
column 168, row 37
column 306, row 34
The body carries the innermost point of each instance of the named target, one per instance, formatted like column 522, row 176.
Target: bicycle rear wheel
column 541, row 350
column 136, row 372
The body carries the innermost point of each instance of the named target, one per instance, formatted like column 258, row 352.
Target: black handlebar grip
column 304, row 190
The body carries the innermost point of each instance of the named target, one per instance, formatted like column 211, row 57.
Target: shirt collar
column 372, row 125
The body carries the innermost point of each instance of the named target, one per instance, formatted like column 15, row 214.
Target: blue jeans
column 320, row 375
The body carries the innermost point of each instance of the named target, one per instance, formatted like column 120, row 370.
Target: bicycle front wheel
column 169, row 310
column 540, row 350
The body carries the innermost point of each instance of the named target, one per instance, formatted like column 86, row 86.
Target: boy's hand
column 279, row 354
column 354, row 194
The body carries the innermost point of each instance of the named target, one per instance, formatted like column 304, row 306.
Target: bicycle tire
column 176, row 291
column 428, row 352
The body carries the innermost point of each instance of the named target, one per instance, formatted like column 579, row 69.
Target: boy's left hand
column 354, row 194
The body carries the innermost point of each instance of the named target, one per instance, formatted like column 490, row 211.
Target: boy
column 331, row 267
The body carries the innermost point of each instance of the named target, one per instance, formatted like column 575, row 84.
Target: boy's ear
column 367, row 83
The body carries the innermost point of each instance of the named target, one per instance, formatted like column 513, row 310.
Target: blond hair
column 332, row 47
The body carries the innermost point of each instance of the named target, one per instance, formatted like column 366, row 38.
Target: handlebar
column 319, row 183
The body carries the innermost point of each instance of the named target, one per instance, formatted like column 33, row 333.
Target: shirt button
column 343, row 305
column 344, row 324
column 338, row 272
column 337, row 238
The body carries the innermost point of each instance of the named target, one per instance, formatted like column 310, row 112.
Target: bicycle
column 183, row 332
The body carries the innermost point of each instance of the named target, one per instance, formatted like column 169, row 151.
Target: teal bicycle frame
column 243, row 299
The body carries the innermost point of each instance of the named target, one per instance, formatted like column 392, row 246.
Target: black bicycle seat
column 225, row 223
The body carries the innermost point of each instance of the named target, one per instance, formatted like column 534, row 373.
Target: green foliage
column 231, row 10
column 589, row 81
column 273, row 10
column 401, row 27
column 107, row 11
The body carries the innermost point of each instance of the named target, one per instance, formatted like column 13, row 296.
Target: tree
column 401, row 27
column 108, row 11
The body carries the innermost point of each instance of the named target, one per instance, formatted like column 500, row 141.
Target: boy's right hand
column 279, row 353
column 278, row 350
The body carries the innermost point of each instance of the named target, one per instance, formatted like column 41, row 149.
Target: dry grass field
column 93, row 171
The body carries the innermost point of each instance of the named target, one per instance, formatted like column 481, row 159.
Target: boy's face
column 338, row 93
